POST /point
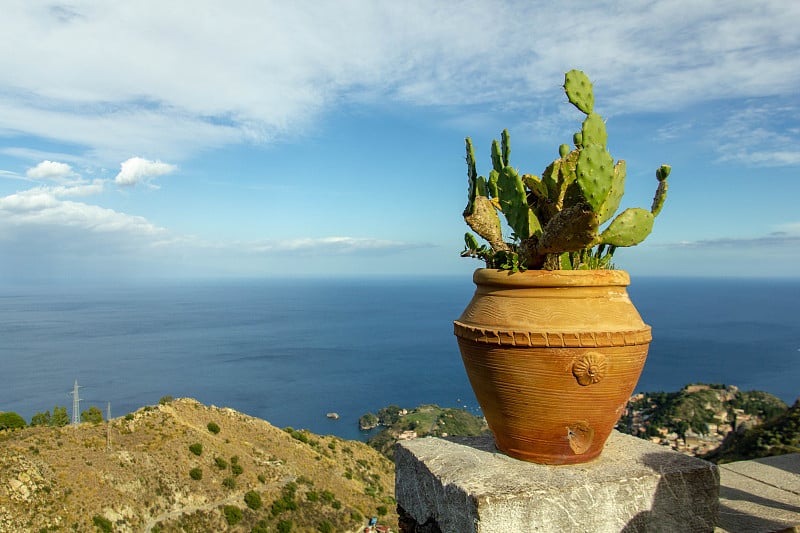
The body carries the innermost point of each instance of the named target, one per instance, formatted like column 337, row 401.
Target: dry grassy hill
column 152, row 479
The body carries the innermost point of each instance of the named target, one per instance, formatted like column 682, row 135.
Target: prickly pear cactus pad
column 579, row 90
column 561, row 220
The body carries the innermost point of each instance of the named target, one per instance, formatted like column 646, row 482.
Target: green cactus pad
column 663, row 172
column 630, row 228
column 563, row 150
column 497, row 156
column 492, row 184
column 471, row 242
column 567, row 177
column 579, row 90
column 594, row 130
column 505, row 147
column 514, row 202
column 615, row 194
column 577, row 140
column 659, row 198
column 550, row 178
column 472, row 176
column 481, row 187
column 536, row 186
column 595, row 174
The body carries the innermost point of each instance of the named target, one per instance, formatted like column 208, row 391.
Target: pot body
column 553, row 357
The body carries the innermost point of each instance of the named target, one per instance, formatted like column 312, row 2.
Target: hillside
column 183, row 466
column 776, row 436
column 696, row 419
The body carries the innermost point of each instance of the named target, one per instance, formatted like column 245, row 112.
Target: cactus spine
column 557, row 219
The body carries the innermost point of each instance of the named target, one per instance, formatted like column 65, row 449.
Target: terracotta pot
column 553, row 357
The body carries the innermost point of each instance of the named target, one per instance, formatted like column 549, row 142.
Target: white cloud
column 792, row 228
column 779, row 240
column 42, row 208
column 42, row 229
column 87, row 189
column 328, row 245
column 138, row 170
column 201, row 74
column 755, row 135
column 50, row 170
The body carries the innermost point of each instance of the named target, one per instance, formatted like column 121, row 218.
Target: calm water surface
column 289, row 351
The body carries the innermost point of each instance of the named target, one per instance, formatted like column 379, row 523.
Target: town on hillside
column 697, row 419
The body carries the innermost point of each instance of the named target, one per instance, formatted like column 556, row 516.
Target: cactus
column 557, row 220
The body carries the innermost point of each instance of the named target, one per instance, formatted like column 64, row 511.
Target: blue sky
column 143, row 140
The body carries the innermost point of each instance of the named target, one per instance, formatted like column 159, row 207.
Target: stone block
column 760, row 495
column 465, row 485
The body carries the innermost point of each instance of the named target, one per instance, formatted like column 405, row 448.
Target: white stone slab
column 465, row 485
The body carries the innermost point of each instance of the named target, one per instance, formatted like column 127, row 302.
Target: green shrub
column 328, row 496
column 325, row 527
column 196, row 448
column 129, row 416
column 237, row 469
column 11, row 421
column 382, row 510
column 286, row 501
column 213, row 427
column 60, row 417
column 283, row 504
column 336, row 504
column 285, row 526
column 233, row 515
column 103, row 524
column 41, row 419
column 93, row 415
column 229, row 483
column 302, row 437
column 221, row 463
column 261, row 527
column 253, row 500
column 165, row 400
column 196, row 473
column 312, row 496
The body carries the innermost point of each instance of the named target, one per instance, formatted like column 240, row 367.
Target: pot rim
column 551, row 278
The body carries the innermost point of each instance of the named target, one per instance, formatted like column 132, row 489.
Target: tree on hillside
column 367, row 421
column 93, row 415
column 389, row 415
column 11, row 421
column 41, row 419
column 60, row 417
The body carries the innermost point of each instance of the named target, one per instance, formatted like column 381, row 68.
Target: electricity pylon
column 76, row 405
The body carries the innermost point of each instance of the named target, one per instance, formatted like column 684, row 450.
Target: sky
column 194, row 139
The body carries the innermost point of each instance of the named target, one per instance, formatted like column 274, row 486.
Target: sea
column 291, row 351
